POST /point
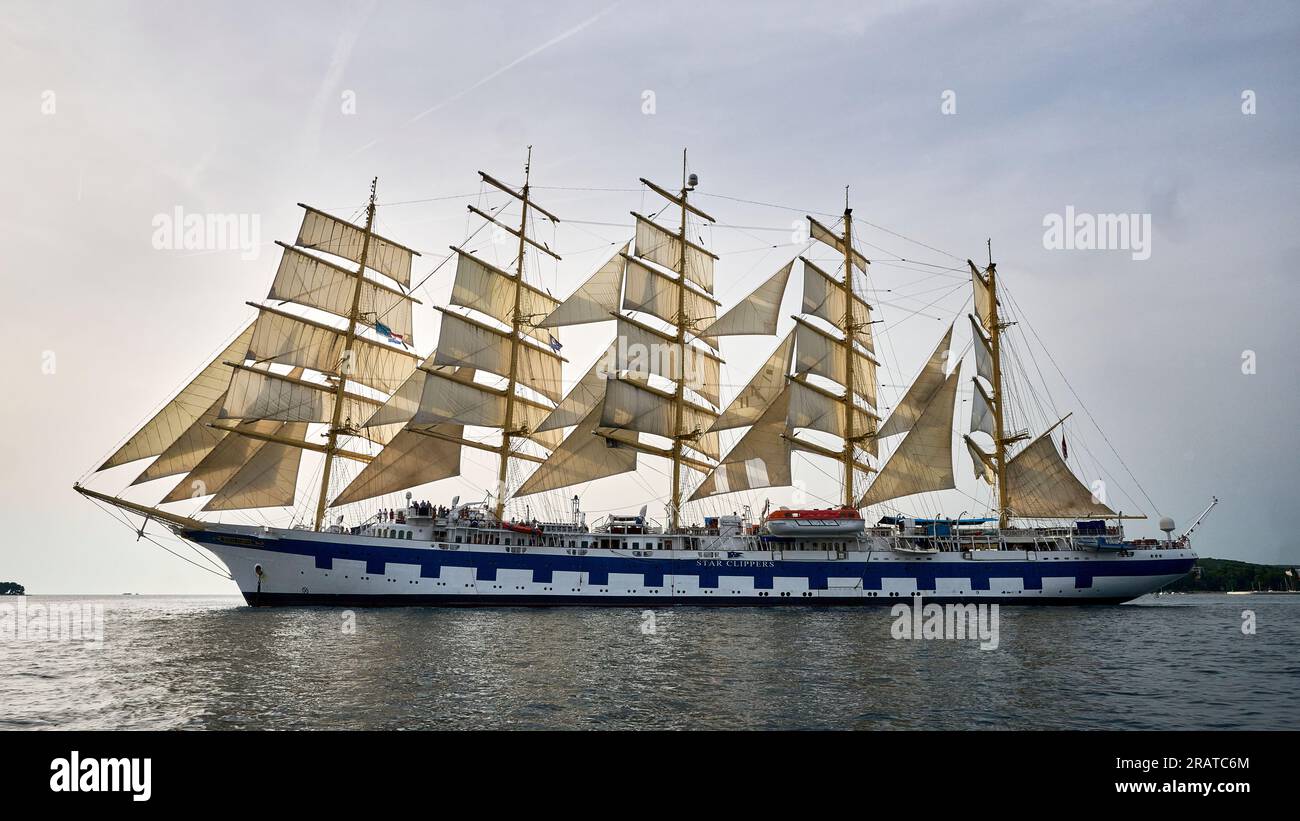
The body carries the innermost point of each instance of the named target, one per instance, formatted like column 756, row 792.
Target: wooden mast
column 345, row 364
column 1000, row 440
column 679, row 393
column 850, row 499
column 516, row 323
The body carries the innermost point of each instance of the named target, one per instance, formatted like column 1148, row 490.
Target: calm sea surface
column 1172, row 662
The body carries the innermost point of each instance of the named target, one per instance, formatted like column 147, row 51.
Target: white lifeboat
column 813, row 524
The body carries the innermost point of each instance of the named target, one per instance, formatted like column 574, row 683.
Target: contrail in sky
column 559, row 38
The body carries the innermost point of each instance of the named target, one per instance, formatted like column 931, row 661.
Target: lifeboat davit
column 831, row 521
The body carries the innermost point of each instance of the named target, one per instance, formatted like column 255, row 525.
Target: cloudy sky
column 950, row 122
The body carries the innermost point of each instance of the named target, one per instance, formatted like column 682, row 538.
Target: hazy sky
column 117, row 112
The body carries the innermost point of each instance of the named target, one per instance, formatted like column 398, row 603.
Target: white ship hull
column 296, row 567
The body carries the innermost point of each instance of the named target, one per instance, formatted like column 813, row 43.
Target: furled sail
column 921, row 390
column 923, row 460
column 594, row 300
column 317, row 283
column 763, row 388
column 665, row 248
column 178, row 415
column 1042, row 486
column 321, row 232
column 758, row 312
column 760, row 459
column 582, row 456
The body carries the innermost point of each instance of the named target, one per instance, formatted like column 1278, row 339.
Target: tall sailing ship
column 235, row 434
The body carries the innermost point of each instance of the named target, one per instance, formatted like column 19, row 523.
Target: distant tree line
column 11, row 589
column 1222, row 575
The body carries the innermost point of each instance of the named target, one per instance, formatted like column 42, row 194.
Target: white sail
column 197, row 441
column 760, row 459
column 642, row 350
column 923, row 460
column 471, row 344
column 260, row 394
column 820, row 353
column 414, row 457
column 176, row 417
column 983, row 299
column 224, row 461
column 810, row 408
column 981, row 410
column 403, row 404
column 763, row 388
column 982, row 461
column 757, row 313
column 268, row 479
column 1042, row 486
column 983, row 353
column 582, row 456
column 585, row 395
column 633, row 407
column 284, row 339
column 823, row 234
column 823, row 297
column 491, row 291
column 321, row 232
column 921, row 390
column 317, row 283
column 665, row 248
column 652, row 292
column 596, row 299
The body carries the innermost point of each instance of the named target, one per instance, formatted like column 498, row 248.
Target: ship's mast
column 345, row 363
column 679, row 393
column 850, row 499
column 516, row 323
column 1000, row 440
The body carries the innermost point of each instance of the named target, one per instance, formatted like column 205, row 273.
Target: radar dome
column 1167, row 525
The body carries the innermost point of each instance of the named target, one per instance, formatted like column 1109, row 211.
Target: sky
column 951, row 123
